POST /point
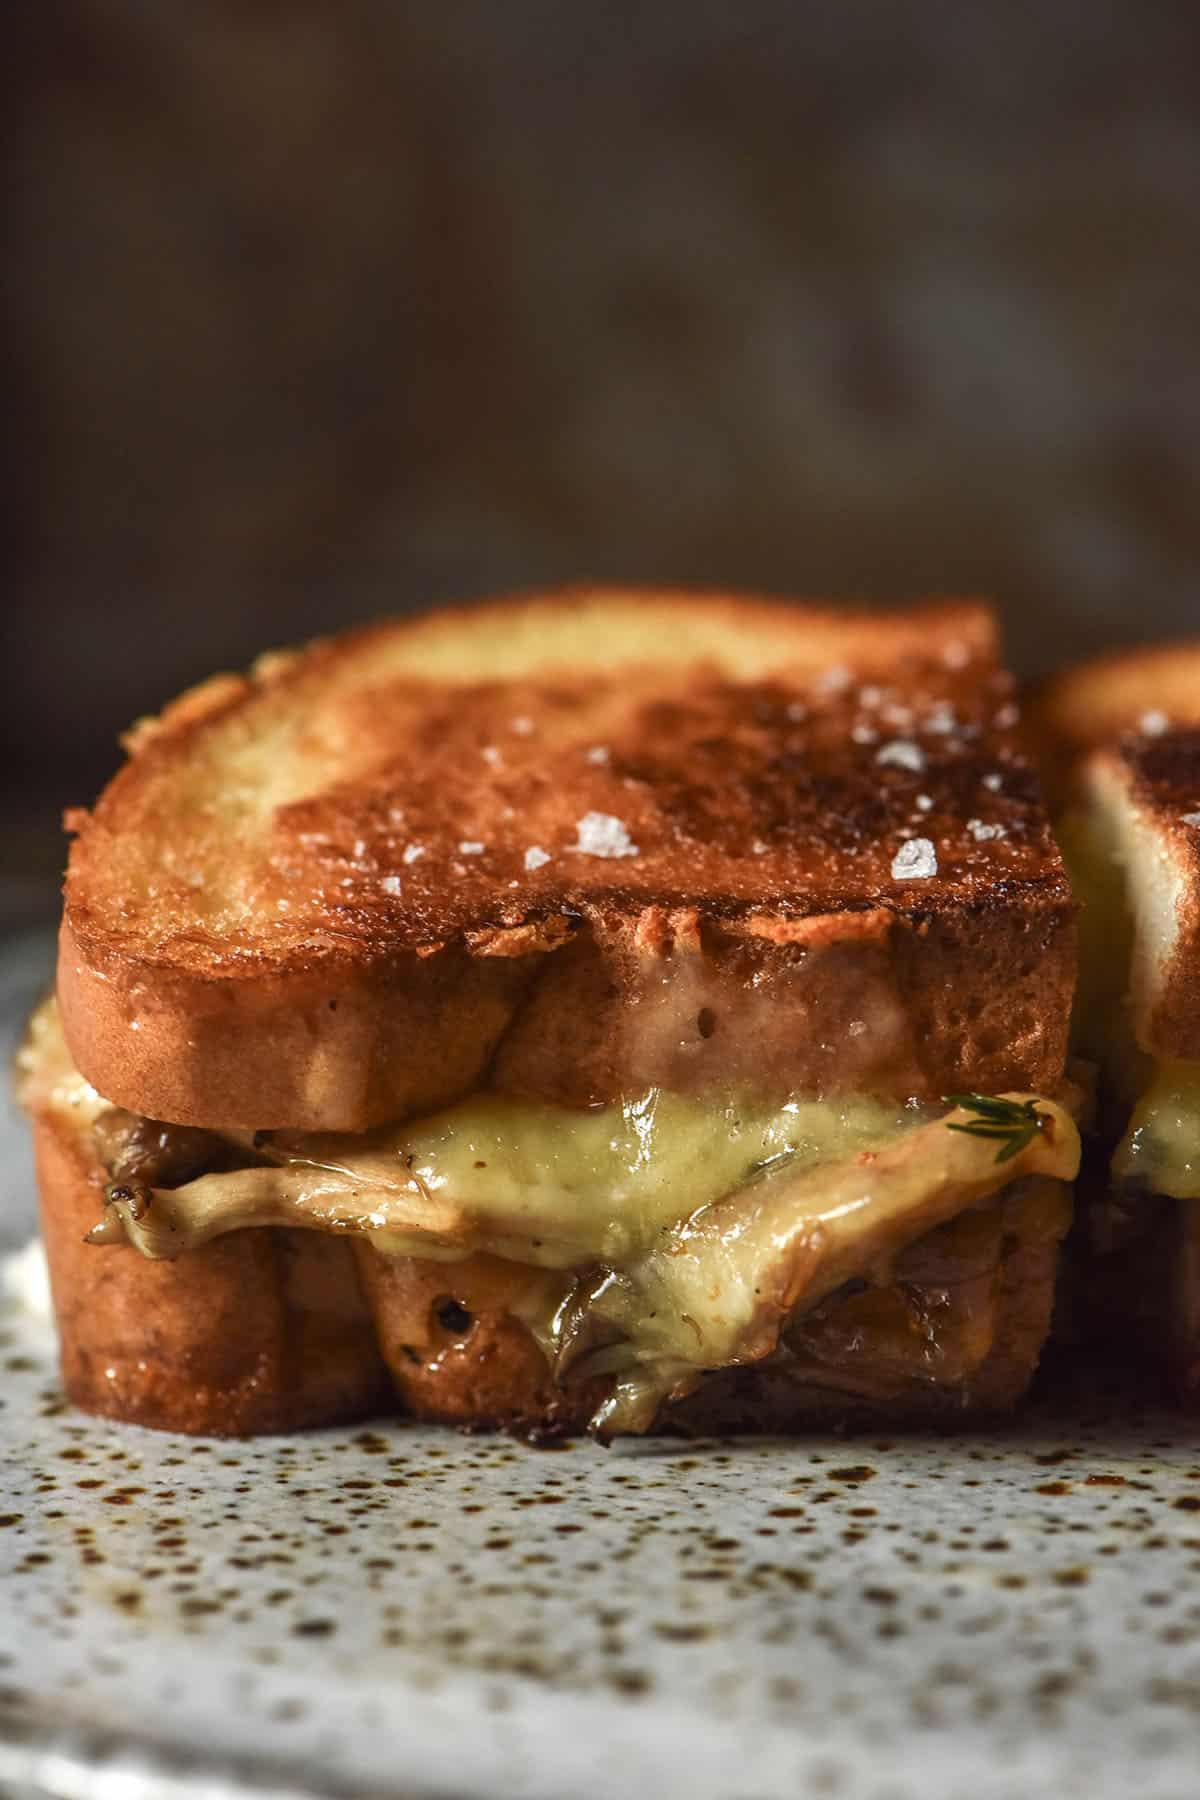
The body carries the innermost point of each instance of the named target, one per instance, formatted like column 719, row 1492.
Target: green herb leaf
column 1013, row 1124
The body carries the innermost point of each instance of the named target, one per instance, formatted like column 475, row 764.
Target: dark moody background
column 332, row 308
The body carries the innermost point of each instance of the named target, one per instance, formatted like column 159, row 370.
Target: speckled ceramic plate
column 399, row 1612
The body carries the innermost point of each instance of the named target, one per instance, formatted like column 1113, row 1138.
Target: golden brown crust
column 271, row 918
column 1163, row 780
column 1121, row 736
column 1097, row 702
column 261, row 1331
column 299, row 1048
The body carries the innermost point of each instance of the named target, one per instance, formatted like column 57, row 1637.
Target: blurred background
column 328, row 309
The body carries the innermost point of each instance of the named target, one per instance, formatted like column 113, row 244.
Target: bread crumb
column 915, row 861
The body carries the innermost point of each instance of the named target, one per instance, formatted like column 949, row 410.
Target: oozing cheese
column 676, row 1234
column 1160, row 1150
column 683, row 1236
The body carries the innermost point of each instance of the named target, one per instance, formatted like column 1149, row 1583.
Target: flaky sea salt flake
column 915, row 861
column 601, row 834
column 901, row 754
column 536, row 857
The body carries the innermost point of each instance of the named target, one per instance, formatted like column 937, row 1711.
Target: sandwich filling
column 1158, row 1150
column 659, row 1239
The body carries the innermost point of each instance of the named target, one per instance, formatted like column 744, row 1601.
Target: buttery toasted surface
column 1120, row 742
column 1095, row 703
column 573, row 845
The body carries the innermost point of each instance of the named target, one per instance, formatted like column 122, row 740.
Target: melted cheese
column 672, row 1235
column 1160, row 1151
column 678, row 1237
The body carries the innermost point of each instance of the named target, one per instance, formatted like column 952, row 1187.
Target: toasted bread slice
column 573, row 846
column 1123, row 693
column 1120, row 742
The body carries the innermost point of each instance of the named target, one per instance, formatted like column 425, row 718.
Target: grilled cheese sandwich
column 604, row 962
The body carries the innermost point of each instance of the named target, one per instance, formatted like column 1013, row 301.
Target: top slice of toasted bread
column 571, row 844
column 1120, row 746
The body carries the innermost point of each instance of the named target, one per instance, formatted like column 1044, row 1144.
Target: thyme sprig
column 1013, row 1124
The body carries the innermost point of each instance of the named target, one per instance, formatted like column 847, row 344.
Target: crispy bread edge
column 987, row 991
